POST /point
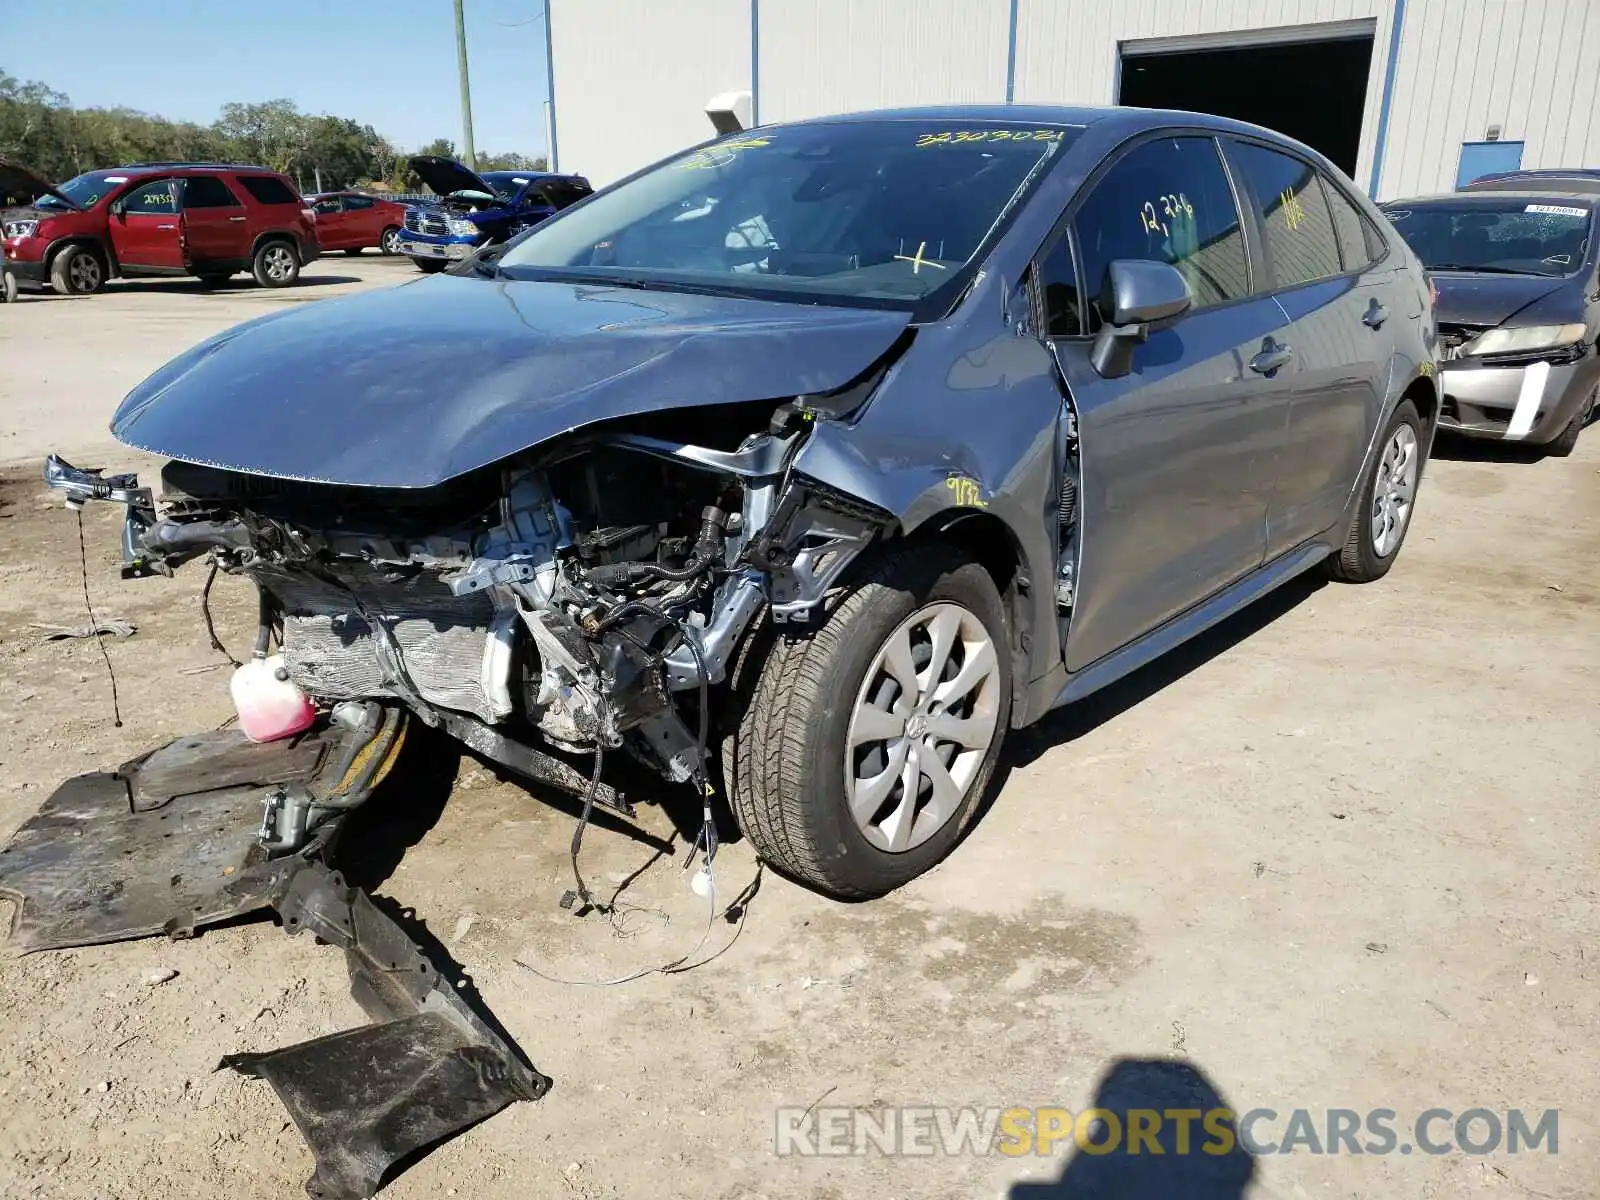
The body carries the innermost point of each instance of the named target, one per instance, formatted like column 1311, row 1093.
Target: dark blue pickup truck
column 474, row 210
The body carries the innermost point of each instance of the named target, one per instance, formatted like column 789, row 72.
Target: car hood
column 1469, row 298
column 411, row 386
column 14, row 177
column 446, row 175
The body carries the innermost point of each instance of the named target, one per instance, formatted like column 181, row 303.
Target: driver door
column 1178, row 457
column 146, row 231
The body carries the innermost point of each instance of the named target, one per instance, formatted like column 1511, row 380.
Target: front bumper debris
column 173, row 841
column 1531, row 403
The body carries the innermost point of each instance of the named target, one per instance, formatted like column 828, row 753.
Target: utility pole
column 468, row 153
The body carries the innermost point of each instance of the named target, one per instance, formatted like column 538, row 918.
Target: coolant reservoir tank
column 269, row 706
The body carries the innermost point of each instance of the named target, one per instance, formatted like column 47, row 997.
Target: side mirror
column 1139, row 298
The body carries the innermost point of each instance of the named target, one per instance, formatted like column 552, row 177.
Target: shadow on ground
column 1192, row 1156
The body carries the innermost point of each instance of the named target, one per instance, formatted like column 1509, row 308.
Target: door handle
column 1273, row 356
column 1375, row 315
column 238, row 219
column 166, row 227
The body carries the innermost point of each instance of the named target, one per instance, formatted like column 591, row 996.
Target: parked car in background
column 353, row 221
column 1517, row 275
column 1556, row 179
column 479, row 210
column 210, row 220
column 844, row 447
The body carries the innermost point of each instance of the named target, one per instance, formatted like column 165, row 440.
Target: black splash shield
column 170, row 842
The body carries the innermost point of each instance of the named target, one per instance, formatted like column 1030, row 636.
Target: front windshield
column 506, row 184
column 879, row 213
column 1520, row 237
column 84, row 190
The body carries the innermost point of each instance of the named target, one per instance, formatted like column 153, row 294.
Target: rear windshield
column 86, row 190
column 880, row 213
column 1513, row 237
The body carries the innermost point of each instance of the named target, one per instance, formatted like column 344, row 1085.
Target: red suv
column 205, row 219
column 352, row 221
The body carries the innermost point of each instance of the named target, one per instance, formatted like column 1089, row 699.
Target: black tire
column 8, row 287
column 786, row 782
column 1359, row 561
column 389, row 241
column 77, row 271
column 276, row 264
column 1565, row 442
column 430, row 266
column 215, row 279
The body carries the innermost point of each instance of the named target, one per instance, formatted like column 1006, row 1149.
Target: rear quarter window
column 267, row 189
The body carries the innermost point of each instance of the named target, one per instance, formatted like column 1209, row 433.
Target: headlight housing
column 461, row 227
column 19, row 229
column 1524, row 340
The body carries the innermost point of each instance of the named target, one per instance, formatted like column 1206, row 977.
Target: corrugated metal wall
column 829, row 56
column 1529, row 66
column 633, row 76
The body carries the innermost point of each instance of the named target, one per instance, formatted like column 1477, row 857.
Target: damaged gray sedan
column 798, row 468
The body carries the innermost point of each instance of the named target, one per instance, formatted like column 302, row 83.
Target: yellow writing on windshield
column 961, row 136
column 721, row 154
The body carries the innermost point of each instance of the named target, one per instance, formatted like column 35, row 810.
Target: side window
column 1059, row 292
column 1293, row 212
column 207, row 191
column 326, row 208
column 1167, row 201
column 267, row 189
column 151, row 198
column 1350, row 226
column 357, row 203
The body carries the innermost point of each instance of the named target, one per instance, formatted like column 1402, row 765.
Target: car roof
column 1479, row 197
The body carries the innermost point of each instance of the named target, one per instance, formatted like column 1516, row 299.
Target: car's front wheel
column 1565, row 442
column 77, row 271
column 8, row 287
column 867, row 743
column 1388, row 497
column 389, row 243
column 276, row 265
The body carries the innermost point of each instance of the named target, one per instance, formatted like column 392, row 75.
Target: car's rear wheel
column 430, row 266
column 1565, row 442
column 77, row 271
column 856, row 798
column 389, row 243
column 276, row 264
column 1388, row 497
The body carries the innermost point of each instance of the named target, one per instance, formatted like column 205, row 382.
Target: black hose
column 264, row 617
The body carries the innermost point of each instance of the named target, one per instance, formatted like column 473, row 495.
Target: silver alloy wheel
column 279, row 263
column 83, row 273
column 1394, row 490
column 391, row 241
column 923, row 722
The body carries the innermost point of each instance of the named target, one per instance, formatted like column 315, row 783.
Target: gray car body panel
column 967, row 424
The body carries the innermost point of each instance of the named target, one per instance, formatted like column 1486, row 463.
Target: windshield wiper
column 1481, row 270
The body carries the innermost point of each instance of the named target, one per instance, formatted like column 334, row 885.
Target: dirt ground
column 1339, row 854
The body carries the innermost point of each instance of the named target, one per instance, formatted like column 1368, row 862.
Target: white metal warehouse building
column 1408, row 96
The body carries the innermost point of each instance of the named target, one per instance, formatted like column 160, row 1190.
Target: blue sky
column 391, row 65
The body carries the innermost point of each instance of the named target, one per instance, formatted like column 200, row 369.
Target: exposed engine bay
column 583, row 598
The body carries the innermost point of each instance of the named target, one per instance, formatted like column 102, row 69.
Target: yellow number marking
column 968, row 492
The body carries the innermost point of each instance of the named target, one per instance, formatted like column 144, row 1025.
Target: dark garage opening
column 1312, row 91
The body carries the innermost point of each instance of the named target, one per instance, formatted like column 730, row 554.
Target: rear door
column 1343, row 322
column 145, row 227
column 214, row 225
column 330, row 218
column 1179, row 456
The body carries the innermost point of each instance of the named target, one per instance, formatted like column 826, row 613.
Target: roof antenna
column 94, row 627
